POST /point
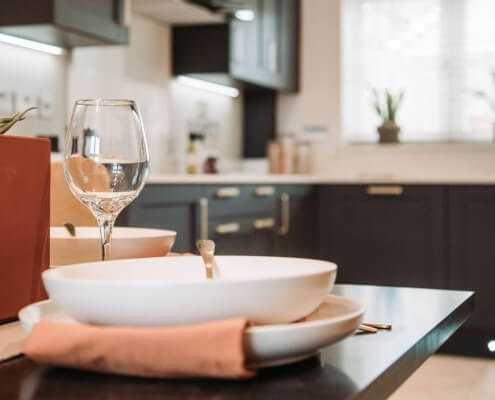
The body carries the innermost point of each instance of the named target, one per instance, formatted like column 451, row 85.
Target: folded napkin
column 212, row 349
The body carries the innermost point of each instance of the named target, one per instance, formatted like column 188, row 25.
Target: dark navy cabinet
column 174, row 207
column 298, row 222
column 265, row 50
column 384, row 234
column 242, row 219
column 401, row 235
column 471, row 227
column 66, row 23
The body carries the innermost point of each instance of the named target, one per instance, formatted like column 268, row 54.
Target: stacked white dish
column 271, row 292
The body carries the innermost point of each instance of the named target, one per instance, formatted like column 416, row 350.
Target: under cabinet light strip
column 31, row 44
column 208, row 86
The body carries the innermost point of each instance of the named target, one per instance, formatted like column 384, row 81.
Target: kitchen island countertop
column 362, row 366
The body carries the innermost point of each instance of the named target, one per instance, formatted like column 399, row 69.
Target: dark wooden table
column 369, row 366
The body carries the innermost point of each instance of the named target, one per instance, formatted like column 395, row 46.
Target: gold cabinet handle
column 264, row 191
column 203, row 218
column 227, row 192
column 285, row 214
column 263, row 223
column 385, row 190
column 224, row 229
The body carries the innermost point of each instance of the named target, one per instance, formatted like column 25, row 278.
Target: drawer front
column 243, row 236
column 173, row 207
column 179, row 218
column 235, row 225
column 296, row 190
column 169, row 194
column 240, row 199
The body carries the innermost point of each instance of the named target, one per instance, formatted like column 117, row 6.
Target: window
column 437, row 51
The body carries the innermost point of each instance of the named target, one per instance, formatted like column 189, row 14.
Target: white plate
column 126, row 243
column 174, row 291
column 336, row 318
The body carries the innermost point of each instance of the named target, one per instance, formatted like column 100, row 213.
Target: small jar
column 287, row 155
column 210, row 166
column 273, row 154
column 303, row 159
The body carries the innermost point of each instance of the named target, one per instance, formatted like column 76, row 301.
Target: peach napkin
column 212, row 349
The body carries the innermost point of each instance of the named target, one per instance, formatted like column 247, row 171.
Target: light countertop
column 241, row 178
column 431, row 178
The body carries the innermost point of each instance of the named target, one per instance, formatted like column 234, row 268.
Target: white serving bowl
column 126, row 243
column 174, row 291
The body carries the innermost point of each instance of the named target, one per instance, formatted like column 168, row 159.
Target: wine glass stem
column 106, row 227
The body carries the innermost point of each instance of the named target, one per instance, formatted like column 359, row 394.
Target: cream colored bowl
column 174, row 291
column 126, row 243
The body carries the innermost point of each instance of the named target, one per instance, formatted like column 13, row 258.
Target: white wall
column 318, row 101
column 138, row 72
column 25, row 71
column 224, row 112
column 142, row 71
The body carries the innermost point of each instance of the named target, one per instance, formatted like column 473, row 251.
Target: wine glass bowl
column 106, row 159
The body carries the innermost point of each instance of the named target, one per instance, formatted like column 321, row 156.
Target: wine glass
column 106, row 159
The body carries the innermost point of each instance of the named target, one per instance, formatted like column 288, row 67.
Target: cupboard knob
column 227, row 192
column 263, row 223
column 264, row 191
column 224, row 229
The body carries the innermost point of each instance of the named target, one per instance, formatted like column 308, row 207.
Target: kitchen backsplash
column 30, row 78
column 140, row 71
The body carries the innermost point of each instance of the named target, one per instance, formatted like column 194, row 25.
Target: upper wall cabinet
column 265, row 50
column 260, row 52
column 66, row 23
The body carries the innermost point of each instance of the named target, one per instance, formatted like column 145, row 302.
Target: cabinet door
column 244, row 39
column 279, row 52
column 167, row 207
column 98, row 19
column 297, row 237
column 472, row 249
column 265, row 51
column 384, row 235
column 66, row 23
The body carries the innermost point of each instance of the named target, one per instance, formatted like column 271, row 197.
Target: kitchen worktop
column 362, row 366
column 432, row 178
column 232, row 178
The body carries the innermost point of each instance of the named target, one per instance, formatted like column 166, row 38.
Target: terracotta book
column 24, row 221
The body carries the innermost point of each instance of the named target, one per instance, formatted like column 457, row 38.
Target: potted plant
column 24, row 217
column 490, row 100
column 8, row 122
column 388, row 131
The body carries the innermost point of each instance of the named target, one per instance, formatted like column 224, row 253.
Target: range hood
column 66, row 23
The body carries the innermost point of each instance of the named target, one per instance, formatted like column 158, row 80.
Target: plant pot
column 388, row 133
column 24, row 221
